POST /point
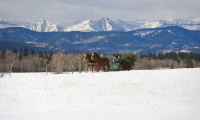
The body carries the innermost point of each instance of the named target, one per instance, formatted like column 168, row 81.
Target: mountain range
column 103, row 24
column 172, row 38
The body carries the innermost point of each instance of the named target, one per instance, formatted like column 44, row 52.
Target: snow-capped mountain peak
column 42, row 25
column 103, row 24
column 83, row 26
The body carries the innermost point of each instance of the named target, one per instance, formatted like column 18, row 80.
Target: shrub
column 128, row 60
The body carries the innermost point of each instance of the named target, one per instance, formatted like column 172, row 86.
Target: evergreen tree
column 50, row 55
column 41, row 54
column 141, row 56
column 149, row 55
column 198, row 57
column 175, row 56
column 15, row 50
column 3, row 52
column 189, row 63
column 154, row 55
column 161, row 55
column 20, row 53
column 25, row 53
column 32, row 52
column 178, row 61
column 45, row 55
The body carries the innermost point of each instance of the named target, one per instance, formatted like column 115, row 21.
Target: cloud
column 68, row 11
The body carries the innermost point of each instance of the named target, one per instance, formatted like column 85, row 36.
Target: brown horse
column 90, row 62
column 100, row 62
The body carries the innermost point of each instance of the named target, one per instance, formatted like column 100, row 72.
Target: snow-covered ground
column 126, row 95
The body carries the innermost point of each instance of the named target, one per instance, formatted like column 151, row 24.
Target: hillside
column 171, row 38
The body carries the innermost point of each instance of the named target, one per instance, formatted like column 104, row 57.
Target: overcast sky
column 70, row 11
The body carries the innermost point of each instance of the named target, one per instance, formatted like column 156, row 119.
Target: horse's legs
column 97, row 68
column 92, row 68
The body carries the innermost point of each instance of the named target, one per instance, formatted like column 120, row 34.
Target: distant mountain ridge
column 173, row 38
column 104, row 24
column 38, row 25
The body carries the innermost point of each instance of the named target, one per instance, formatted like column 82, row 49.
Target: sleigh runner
column 116, row 67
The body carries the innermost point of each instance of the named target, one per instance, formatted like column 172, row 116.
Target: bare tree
column 58, row 61
column 13, row 62
column 46, row 64
column 71, row 65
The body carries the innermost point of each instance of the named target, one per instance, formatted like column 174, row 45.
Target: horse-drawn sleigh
column 97, row 62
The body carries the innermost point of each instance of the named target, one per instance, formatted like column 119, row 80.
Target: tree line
column 25, row 61
column 29, row 61
column 168, row 60
column 172, row 55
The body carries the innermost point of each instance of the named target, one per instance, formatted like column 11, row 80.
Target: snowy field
column 128, row 95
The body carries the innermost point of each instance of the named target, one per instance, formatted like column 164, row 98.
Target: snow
column 126, row 95
column 90, row 40
column 170, row 31
column 42, row 45
column 185, row 51
column 173, row 43
column 106, row 24
column 144, row 33
column 127, row 44
column 83, row 26
column 154, row 24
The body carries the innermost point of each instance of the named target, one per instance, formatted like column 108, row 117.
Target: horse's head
column 95, row 56
column 87, row 56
